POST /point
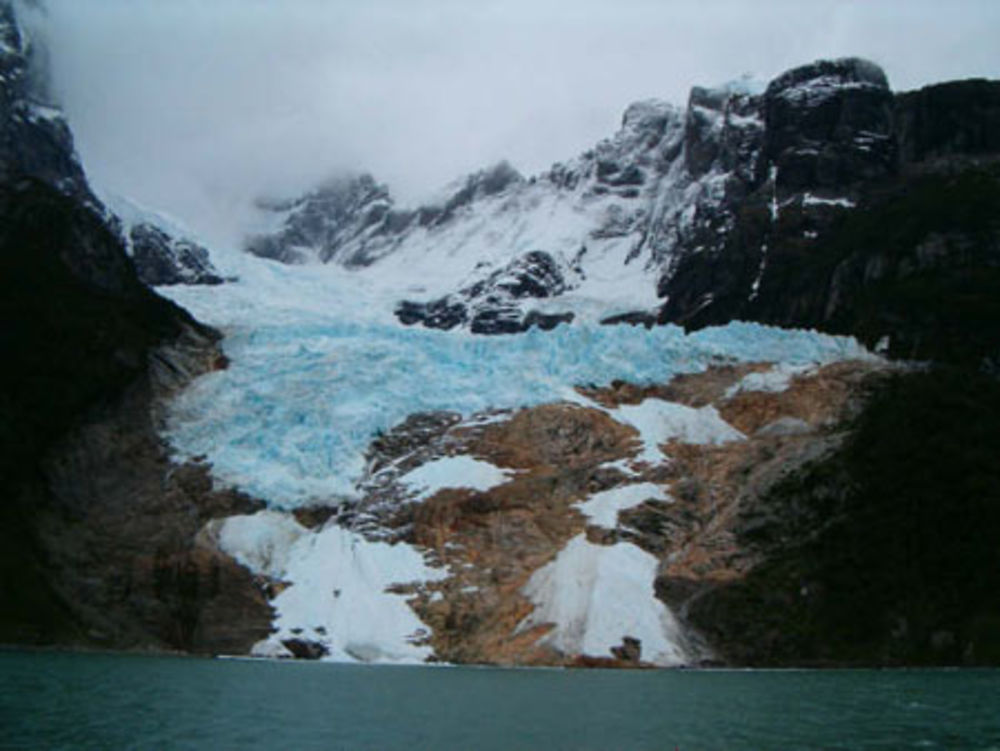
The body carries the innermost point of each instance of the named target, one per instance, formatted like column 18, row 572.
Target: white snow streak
column 778, row 378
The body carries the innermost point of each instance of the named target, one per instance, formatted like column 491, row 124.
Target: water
column 76, row 701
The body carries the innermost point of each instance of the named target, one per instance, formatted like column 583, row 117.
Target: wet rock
column 629, row 651
column 495, row 304
column 304, row 649
column 162, row 259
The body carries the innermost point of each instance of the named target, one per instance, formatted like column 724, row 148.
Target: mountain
column 766, row 204
column 786, row 509
column 341, row 466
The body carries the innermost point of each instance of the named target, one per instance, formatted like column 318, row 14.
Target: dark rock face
column 829, row 124
column 735, row 145
column 948, row 120
column 97, row 528
column 162, row 259
column 883, row 552
column 494, row 305
column 303, row 649
column 35, row 140
column 868, row 215
column 318, row 224
column 629, row 651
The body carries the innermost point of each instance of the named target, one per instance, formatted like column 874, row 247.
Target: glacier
column 319, row 366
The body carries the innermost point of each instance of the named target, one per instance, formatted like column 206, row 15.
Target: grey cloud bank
column 196, row 108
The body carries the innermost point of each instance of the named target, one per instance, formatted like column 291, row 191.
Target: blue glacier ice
column 291, row 417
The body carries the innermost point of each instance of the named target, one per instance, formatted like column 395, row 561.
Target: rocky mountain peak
column 647, row 116
column 829, row 124
column 702, row 213
column 481, row 184
column 319, row 223
column 826, row 75
column 10, row 37
column 35, row 140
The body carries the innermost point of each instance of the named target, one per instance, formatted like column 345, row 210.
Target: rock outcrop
column 500, row 303
column 162, row 257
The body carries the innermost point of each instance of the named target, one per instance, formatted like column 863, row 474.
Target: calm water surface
column 83, row 701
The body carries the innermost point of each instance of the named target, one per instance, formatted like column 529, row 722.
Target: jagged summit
column 316, row 226
column 36, row 143
column 845, row 71
column 35, row 140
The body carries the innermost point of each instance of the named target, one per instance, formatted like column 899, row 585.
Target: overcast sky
column 196, row 106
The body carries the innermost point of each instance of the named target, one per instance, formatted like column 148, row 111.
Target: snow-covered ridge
column 587, row 213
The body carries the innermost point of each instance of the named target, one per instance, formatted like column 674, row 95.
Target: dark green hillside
column 886, row 553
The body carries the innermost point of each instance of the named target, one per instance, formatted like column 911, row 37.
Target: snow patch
column 808, row 199
column 595, row 595
column 622, row 465
column 775, row 380
column 336, row 594
column 454, row 472
column 659, row 421
column 261, row 542
column 601, row 509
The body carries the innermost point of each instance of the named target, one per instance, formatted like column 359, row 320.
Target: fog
column 196, row 107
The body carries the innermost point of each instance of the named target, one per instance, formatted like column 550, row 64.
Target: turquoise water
column 81, row 701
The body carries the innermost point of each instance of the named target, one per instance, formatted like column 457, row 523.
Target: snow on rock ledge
column 658, row 422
